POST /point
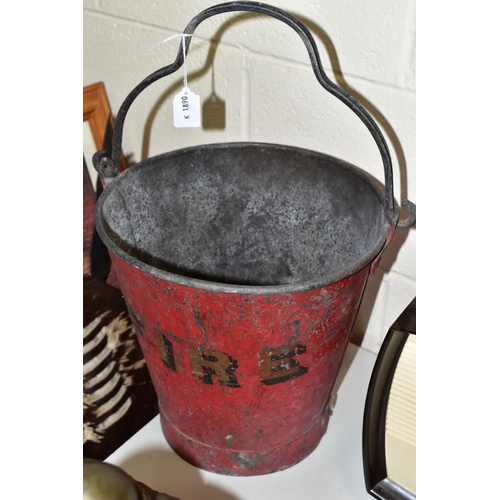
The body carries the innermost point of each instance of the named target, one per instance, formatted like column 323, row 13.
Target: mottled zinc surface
column 246, row 214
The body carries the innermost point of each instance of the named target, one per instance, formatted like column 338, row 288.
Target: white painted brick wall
column 262, row 73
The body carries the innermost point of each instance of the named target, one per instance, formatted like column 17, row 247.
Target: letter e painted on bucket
column 277, row 364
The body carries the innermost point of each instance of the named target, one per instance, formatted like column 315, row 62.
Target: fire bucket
column 243, row 266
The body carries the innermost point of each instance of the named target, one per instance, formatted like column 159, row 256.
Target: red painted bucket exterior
column 243, row 319
column 244, row 380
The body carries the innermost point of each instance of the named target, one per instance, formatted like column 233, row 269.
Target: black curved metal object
column 412, row 215
column 378, row 484
column 102, row 163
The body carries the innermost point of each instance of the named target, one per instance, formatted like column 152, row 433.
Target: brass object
column 103, row 481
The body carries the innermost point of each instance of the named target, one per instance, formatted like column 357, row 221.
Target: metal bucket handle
column 109, row 167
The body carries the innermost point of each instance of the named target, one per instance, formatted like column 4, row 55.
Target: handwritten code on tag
column 186, row 109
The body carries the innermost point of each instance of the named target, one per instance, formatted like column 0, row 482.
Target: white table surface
column 333, row 470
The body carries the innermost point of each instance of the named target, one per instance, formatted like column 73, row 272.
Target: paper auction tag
column 187, row 109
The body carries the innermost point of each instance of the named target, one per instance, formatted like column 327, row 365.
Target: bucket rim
column 102, row 228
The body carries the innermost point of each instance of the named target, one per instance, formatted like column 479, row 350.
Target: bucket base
column 244, row 463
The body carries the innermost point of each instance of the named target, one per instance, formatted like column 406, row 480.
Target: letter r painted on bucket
column 207, row 363
column 277, row 364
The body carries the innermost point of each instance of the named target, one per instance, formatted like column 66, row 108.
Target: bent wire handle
column 110, row 167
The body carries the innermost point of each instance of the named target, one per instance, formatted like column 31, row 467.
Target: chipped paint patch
column 247, row 459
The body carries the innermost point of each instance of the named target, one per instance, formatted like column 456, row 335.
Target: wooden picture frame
column 98, row 125
column 97, row 113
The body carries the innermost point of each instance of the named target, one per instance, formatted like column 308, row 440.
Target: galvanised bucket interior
column 246, row 214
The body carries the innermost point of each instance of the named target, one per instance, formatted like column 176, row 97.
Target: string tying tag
column 186, row 103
